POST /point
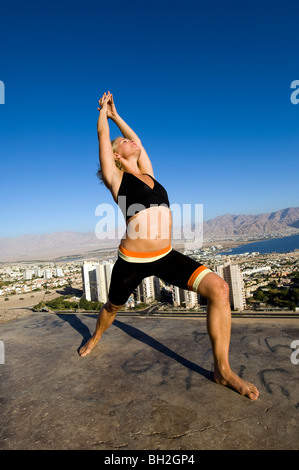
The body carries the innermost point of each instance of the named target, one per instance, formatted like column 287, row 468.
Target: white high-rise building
column 176, row 298
column 103, row 275
column 58, row 272
column 148, row 290
column 96, row 279
column 184, row 297
column 27, row 275
column 89, row 281
column 47, row 274
column 232, row 275
column 38, row 272
column 101, row 283
column 191, row 298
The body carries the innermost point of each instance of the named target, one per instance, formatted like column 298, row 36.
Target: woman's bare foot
column 88, row 347
column 232, row 380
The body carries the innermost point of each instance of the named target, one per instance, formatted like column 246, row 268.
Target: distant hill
column 52, row 245
column 284, row 220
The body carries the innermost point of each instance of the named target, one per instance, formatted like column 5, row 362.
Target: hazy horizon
column 123, row 226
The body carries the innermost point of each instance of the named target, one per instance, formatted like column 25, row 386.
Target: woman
column 146, row 249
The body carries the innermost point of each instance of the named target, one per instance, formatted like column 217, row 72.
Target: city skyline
column 253, row 279
column 207, row 88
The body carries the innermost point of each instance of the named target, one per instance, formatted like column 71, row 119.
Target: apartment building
column 96, row 278
column 89, row 280
column 148, row 290
column 232, row 275
column 186, row 298
column 103, row 278
column 47, row 274
column 27, row 275
column 58, row 272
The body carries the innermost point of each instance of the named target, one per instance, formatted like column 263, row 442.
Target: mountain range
column 284, row 220
column 58, row 244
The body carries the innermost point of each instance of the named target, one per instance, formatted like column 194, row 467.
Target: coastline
column 228, row 244
column 260, row 241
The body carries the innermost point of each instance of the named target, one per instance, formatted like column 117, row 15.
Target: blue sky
column 205, row 85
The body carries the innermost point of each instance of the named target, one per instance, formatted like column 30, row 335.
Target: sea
column 272, row 245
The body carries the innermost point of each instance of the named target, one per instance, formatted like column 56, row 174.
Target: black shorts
column 168, row 264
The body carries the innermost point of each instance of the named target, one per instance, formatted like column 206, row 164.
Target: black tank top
column 134, row 195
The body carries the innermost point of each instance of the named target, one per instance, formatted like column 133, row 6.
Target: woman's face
column 126, row 148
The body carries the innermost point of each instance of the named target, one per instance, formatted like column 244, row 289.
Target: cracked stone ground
column 146, row 386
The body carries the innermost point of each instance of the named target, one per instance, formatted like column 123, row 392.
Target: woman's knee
column 214, row 288
column 112, row 308
column 220, row 290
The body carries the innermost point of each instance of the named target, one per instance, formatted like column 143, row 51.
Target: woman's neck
column 133, row 168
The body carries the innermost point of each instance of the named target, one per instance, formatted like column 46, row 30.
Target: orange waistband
column 143, row 254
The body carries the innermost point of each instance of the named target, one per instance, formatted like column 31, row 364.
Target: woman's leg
column 216, row 290
column 105, row 319
column 124, row 279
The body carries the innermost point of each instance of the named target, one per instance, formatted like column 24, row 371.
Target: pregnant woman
column 146, row 250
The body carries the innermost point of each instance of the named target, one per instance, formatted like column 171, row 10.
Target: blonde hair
column 118, row 164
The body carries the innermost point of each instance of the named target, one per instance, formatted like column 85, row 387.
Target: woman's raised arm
column 107, row 163
column 144, row 162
